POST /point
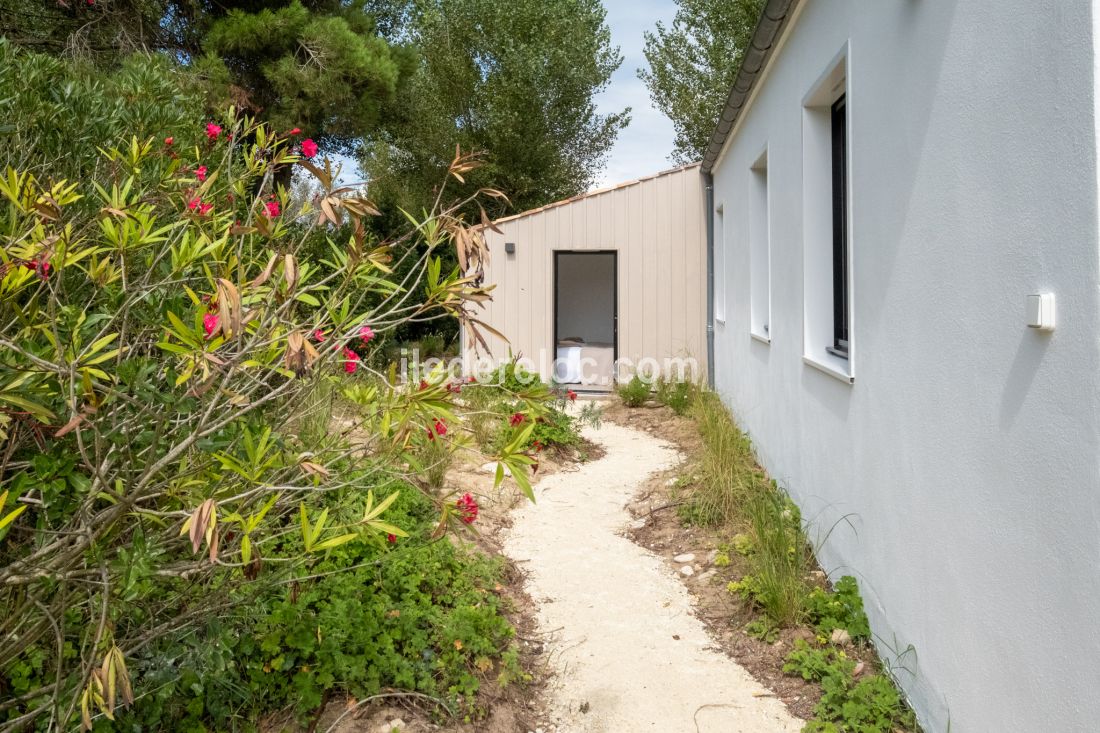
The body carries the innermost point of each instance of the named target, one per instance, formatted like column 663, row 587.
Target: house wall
column 957, row 477
column 657, row 227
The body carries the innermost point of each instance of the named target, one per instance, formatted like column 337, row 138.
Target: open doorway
column 586, row 319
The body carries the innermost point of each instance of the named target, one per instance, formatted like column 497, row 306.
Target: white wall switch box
column 1040, row 311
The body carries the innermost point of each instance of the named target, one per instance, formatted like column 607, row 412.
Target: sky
column 644, row 145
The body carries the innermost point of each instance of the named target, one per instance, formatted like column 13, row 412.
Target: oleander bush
column 185, row 540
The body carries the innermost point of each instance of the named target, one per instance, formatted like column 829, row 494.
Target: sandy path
column 622, row 636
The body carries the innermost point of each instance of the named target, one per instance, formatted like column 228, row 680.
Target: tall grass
column 736, row 494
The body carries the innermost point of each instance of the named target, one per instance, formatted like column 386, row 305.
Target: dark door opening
column 586, row 319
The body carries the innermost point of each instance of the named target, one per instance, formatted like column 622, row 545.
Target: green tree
column 319, row 65
column 513, row 80
column 692, row 65
column 323, row 68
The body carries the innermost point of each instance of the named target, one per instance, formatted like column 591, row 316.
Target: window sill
column 761, row 339
column 832, row 370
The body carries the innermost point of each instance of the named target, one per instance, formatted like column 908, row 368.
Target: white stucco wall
column 960, row 472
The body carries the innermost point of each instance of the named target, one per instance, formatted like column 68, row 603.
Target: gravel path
column 627, row 652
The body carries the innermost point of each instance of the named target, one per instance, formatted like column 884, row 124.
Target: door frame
column 614, row 299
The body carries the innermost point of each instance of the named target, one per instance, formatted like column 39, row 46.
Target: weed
column 728, row 470
column 678, row 395
column 841, row 609
column 815, row 663
column 435, row 457
column 848, row 703
column 780, row 560
column 635, row 392
column 761, row 629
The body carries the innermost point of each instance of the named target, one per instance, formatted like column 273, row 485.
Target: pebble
column 491, row 468
column 686, row 557
column 712, row 556
column 841, row 637
column 704, row 577
column 687, row 570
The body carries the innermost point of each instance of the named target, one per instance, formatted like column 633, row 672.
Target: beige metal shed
column 605, row 283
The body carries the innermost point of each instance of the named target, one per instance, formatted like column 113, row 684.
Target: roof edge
column 597, row 192
column 769, row 29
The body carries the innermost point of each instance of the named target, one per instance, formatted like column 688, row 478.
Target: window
column 719, row 266
column 827, row 231
column 759, row 251
column 838, row 131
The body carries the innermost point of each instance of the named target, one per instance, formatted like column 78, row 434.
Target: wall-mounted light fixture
column 509, row 248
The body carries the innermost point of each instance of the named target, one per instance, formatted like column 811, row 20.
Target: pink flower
column 200, row 173
column 271, row 209
column 516, row 419
column 169, row 140
column 440, row 428
column 351, row 361
column 309, row 148
column 204, row 209
column 366, row 334
column 467, row 508
column 193, row 204
column 210, row 324
column 319, row 336
column 213, row 131
column 42, row 269
column 295, row 131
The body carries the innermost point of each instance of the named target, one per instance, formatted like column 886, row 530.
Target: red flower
column 210, row 324
column 431, row 435
column 472, row 380
column 42, row 269
column 193, row 204
column 295, row 131
column 571, row 395
column 538, row 446
column 423, row 384
column 271, row 208
column 351, row 361
column 516, row 419
column 366, row 333
column 467, row 508
column 309, row 148
column 169, row 140
column 440, row 428
column 200, row 173
column 319, row 336
column 213, row 131
column 391, row 538
column 204, row 209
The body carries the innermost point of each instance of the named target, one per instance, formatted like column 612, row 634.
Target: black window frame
column 839, row 134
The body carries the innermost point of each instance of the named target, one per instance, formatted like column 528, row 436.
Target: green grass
column 735, row 492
